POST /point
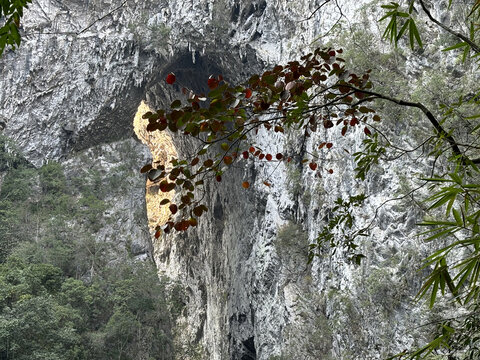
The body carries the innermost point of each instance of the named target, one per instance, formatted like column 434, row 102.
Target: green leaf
column 403, row 29
column 466, row 51
column 176, row 104
column 458, row 217
column 456, row 46
column 414, row 34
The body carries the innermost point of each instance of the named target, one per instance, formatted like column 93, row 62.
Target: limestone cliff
column 70, row 94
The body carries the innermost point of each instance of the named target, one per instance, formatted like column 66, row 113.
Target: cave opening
column 250, row 353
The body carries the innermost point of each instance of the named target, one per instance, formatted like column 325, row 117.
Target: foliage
column 320, row 92
column 339, row 232
column 44, row 315
column 11, row 11
column 394, row 31
column 292, row 244
column 61, row 297
column 316, row 93
column 454, row 266
column 403, row 22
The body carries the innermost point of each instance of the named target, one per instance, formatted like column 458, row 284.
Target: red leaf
column 344, row 130
column 330, row 171
column 170, row 79
column 252, row 149
column 248, row 93
column 327, row 124
column 313, row 166
column 261, row 156
column 157, row 234
column 198, row 211
column 218, row 178
column 165, row 186
column 194, row 161
column 269, row 157
column 367, row 132
column 212, row 83
column 279, row 156
column 146, row 168
column 360, row 95
column 266, row 183
column 227, row 160
column 245, row 154
column 329, row 145
column 245, row 184
column 173, row 208
column 182, row 225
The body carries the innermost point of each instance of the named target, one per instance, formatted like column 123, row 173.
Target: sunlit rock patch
column 162, row 149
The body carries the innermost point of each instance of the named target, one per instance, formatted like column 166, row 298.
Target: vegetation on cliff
column 62, row 293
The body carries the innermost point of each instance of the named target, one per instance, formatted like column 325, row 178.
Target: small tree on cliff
column 319, row 92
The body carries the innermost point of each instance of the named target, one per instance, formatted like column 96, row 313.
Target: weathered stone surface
column 72, row 89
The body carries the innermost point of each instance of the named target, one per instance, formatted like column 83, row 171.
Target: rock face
column 71, row 91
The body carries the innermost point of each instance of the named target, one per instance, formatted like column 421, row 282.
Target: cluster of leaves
column 402, row 21
column 43, row 315
column 461, row 197
column 315, row 93
column 11, row 11
column 456, row 265
column 341, row 222
column 369, row 156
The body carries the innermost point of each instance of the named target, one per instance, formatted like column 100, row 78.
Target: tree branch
column 316, row 10
column 441, row 131
column 473, row 45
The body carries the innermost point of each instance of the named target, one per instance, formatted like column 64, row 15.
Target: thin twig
column 316, row 10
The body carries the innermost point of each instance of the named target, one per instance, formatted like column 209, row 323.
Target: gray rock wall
column 74, row 86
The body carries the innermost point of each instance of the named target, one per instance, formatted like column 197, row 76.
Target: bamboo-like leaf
column 458, row 217
column 438, row 179
column 455, row 177
column 402, row 30
column 475, row 7
column 464, row 273
column 433, row 295
column 466, row 51
column 456, row 46
column 414, row 35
